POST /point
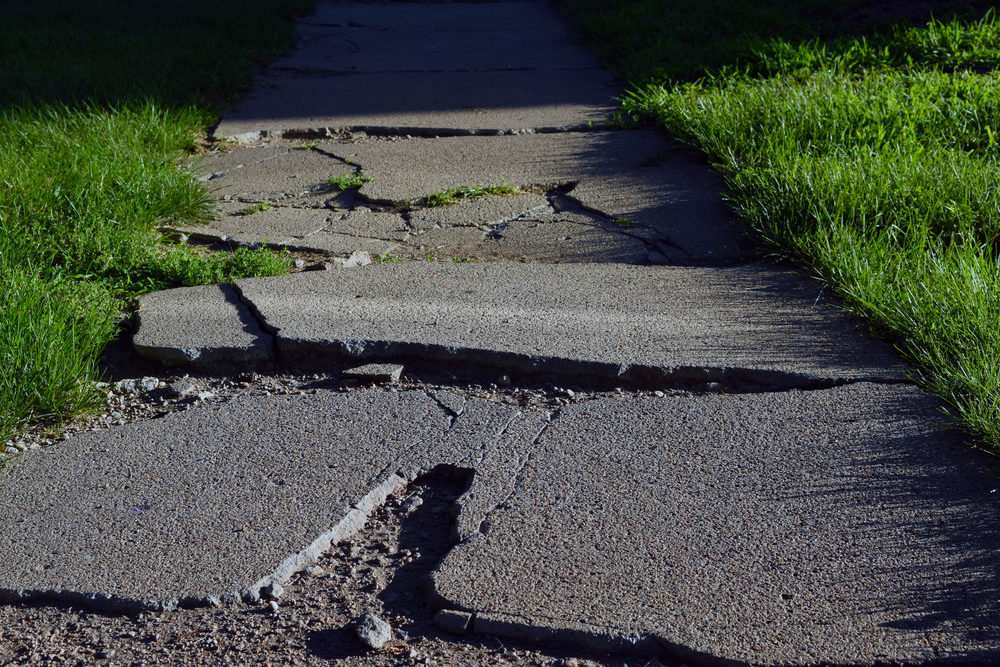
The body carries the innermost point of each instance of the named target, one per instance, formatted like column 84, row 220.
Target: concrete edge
column 334, row 132
column 352, row 522
column 309, row 354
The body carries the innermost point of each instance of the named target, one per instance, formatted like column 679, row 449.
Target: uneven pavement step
column 214, row 503
column 205, row 327
column 506, row 66
column 746, row 327
column 824, row 527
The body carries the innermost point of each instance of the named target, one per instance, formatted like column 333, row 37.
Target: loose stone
column 373, row 631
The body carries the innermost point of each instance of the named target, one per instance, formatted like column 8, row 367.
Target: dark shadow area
column 919, row 537
column 113, row 53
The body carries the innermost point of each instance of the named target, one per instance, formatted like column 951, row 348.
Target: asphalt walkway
column 744, row 476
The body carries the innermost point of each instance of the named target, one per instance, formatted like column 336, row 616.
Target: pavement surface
column 662, row 444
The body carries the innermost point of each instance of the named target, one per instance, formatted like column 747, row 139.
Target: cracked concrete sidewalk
column 778, row 492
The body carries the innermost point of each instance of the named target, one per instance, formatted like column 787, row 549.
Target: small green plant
column 430, row 258
column 350, row 180
column 307, row 146
column 387, row 259
column 624, row 222
column 454, row 195
column 463, row 260
column 256, row 208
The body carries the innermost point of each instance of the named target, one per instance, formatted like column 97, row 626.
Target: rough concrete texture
column 277, row 174
column 561, row 237
column 462, row 37
column 207, row 504
column 506, row 66
column 482, row 211
column 755, row 326
column 204, row 327
column 623, row 174
column 424, row 103
column 281, row 225
column 826, row 527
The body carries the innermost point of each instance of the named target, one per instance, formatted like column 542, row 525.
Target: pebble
column 373, row 631
column 181, row 388
column 273, row 607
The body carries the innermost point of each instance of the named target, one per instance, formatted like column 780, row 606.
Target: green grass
column 256, row 208
column 869, row 154
column 101, row 107
column 350, row 180
column 454, row 195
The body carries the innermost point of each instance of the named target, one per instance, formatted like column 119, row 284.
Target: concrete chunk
column 201, row 327
column 824, row 527
column 747, row 327
column 219, row 501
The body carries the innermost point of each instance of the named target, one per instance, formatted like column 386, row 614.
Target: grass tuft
column 350, row 180
column 454, row 195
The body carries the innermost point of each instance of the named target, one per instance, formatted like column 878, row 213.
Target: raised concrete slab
column 205, row 505
column 561, row 237
column 823, row 527
column 424, row 102
column 205, row 327
column 621, row 174
column 753, row 326
column 444, row 37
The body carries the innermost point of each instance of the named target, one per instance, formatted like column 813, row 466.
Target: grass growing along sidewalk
column 869, row 152
column 101, row 107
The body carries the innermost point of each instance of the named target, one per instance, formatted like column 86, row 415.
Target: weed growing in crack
column 350, row 180
column 463, row 260
column 624, row 222
column 387, row 259
column 256, row 208
column 307, row 146
column 454, row 195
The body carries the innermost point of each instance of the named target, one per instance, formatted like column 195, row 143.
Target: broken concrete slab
column 279, row 225
column 207, row 327
column 823, row 527
column 206, row 505
column 371, row 224
column 423, row 103
column 482, row 211
column 749, row 327
column 622, row 174
column 332, row 243
column 455, row 37
column 276, row 174
column 561, row 237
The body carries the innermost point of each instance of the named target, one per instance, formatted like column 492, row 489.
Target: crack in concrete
column 262, row 322
column 390, row 131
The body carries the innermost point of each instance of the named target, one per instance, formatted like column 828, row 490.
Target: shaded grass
column 872, row 158
column 101, row 105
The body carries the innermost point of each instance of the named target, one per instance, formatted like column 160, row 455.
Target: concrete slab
column 482, row 211
column 561, row 238
column 207, row 327
column 621, row 174
column 752, row 326
column 346, row 244
column 281, row 225
column 275, row 174
column 371, row 224
column 204, row 505
column 444, row 37
column 822, row 527
column 424, row 102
